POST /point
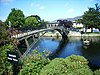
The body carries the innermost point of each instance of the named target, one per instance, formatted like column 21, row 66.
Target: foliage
column 16, row 17
column 72, row 65
column 5, row 66
column 56, row 67
column 32, row 21
column 33, row 64
column 78, row 65
column 6, row 44
column 43, row 23
column 66, row 23
column 91, row 18
column 79, row 21
column 6, row 35
column 97, row 72
column 37, row 65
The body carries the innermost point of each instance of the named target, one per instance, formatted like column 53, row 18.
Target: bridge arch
column 63, row 34
column 25, row 36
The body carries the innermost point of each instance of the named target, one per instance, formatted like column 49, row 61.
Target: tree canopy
column 36, row 64
column 72, row 65
column 16, row 17
column 5, row 34
column 79, row 21
column 91, row 18
column 67, row 24
column 32, row 21
column 33, row 64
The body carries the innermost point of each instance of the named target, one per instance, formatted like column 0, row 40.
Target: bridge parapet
column 56, row 25
column 49, row 25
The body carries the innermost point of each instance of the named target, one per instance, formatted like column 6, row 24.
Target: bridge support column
column 26, row 41
column 38, row 35
column 43, row 32
column 33, row 38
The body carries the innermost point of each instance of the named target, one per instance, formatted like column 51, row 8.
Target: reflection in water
column 73, row 45
column 92, row 52
column 59, row 49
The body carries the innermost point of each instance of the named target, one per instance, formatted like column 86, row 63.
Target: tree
column 6, row 44
column 32, row 21
column 72, row 65
column 37, row 64
column 68, row 24
column 16, row 17
column 97, row 7
column 65, row 23
column 33, row 64
column 5, row 34
column 98, row 12
column 55, row 67
column 78, row 21
column 91, row 18
column 5, row 66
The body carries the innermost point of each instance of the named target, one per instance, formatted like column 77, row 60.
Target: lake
column 73, row 45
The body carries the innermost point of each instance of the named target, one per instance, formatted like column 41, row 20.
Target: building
column 77, row 25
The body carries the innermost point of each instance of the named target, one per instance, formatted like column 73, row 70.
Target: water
column 62, row 48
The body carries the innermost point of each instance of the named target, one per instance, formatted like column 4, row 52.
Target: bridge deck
column 21, row 35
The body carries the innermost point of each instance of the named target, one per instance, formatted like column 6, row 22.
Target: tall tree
column 97, row 7
column 98, row 12
column 16, row 18
column 91, row 18
column 32, row 21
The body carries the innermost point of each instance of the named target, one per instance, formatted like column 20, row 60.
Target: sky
column 48, row 10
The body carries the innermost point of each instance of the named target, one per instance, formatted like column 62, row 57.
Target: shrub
column 56, row 67
column 77, row 65
column 97, row 72
column 72, row 65
column 33, row 64
column 5, row 66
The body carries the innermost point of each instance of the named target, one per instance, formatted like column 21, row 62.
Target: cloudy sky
column 48, row 10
